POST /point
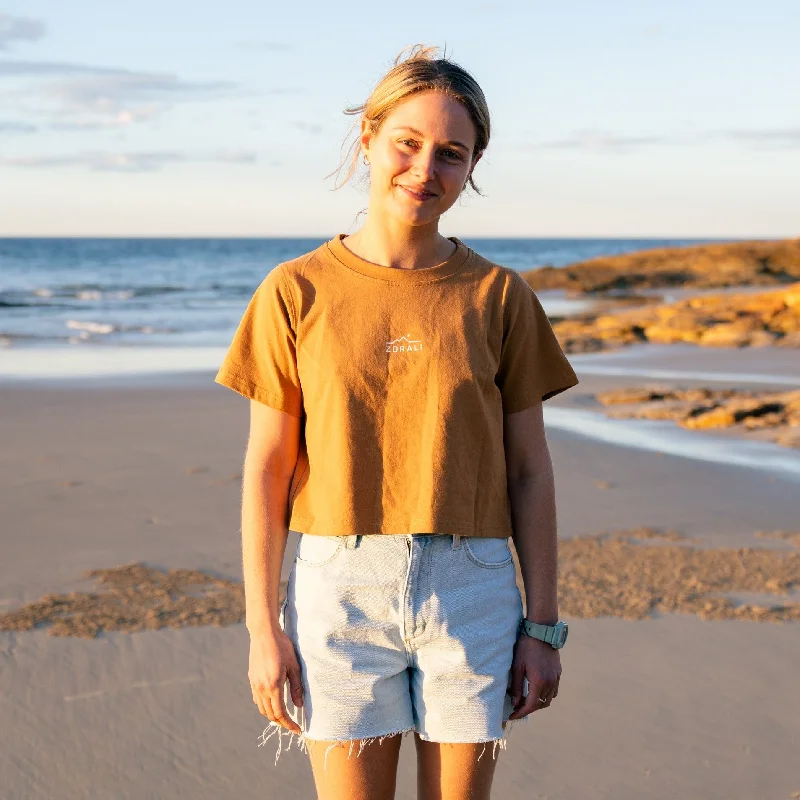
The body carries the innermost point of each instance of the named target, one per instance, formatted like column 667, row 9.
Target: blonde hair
column 417, row 69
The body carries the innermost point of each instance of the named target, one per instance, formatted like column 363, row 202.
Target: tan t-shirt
column 401, row 378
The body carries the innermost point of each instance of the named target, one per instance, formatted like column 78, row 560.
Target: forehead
column 435, row 116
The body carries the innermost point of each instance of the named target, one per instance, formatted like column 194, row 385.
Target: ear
column 366, row 135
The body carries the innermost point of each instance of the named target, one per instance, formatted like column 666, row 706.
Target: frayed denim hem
column 499, row 743
column 303, row 741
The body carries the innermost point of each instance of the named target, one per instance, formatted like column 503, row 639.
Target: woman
column 397, row 380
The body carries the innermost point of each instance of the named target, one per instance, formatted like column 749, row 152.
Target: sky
column 614, row 118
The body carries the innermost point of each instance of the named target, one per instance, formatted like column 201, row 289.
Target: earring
column 366, row 160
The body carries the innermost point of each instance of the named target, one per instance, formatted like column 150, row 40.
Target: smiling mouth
column 417, row 195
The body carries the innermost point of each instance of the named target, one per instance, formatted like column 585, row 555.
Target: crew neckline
column 399, row 274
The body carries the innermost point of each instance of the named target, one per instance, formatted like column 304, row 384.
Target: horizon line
column 323, row 237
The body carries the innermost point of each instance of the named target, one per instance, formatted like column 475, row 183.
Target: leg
column 454, row 771
column 370, row 774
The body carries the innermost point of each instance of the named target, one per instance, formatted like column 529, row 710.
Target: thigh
column 463, row 658
column 348, row 771
column 342, row 615
column 454, row 771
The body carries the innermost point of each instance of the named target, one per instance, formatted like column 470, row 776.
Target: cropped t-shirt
column 401, row 378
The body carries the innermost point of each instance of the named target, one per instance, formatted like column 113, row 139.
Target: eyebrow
column 420, row 133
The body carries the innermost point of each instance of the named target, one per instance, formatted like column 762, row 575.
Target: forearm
column 533, row 514
column 264, row 533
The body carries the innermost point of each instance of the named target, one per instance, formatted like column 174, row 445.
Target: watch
column 554, row 635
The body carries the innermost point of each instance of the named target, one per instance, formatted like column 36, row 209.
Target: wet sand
column 148, row 471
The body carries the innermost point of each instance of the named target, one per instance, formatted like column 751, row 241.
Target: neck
column 405, row 247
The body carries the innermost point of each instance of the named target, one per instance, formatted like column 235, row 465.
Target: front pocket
column 315, row 551
column 488, row 551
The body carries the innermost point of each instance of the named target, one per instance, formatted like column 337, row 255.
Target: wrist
column 542, row 619
column 262, row 628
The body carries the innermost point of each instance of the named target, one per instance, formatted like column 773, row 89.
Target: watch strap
column 539, row 631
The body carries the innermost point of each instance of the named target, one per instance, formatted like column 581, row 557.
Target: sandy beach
column 95, row 475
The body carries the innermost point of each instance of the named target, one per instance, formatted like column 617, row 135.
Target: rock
column 711, row 320
column 775, row 413
column 715, row 418
column 729, row 334
column 624, row 396
column 756, row 263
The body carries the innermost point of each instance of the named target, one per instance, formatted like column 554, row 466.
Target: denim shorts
column 400, row 633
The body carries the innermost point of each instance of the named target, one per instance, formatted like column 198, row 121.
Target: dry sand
column 670, row 705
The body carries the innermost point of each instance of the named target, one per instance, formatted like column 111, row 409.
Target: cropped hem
column 326, row 528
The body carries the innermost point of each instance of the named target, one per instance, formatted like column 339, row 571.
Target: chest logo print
column 404, row 344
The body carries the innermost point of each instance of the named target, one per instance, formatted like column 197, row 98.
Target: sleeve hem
column 556, row 387
column 254, row 392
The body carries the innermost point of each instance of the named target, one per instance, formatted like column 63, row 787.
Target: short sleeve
column 261, row 362
column 533, row 366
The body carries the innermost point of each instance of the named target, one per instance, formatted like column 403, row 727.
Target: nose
column 424, row 164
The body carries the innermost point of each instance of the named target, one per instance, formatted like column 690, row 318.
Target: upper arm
column 274, row 440
column 525, row 445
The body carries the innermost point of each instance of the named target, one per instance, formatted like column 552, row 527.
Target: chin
column 416, row 217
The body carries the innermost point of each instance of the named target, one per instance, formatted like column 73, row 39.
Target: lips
column 417, row 193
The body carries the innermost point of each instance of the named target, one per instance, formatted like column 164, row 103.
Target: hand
column 541, row 665
column 273, row 661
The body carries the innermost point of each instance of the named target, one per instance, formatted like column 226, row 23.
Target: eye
column 452, row 154
column 409, row 142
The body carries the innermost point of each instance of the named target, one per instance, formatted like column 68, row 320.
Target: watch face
column 562, row 633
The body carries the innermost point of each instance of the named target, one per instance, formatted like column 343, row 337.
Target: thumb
column 295, row 684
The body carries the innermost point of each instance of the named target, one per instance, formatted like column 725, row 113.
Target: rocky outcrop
column 775, row 414
column 717, row 320
column 703, row 266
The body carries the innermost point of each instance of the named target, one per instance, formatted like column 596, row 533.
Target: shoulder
column 508, row 282
column 294, row 269
column 287, row 278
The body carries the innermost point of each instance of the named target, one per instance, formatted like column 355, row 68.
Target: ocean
column 66, row 296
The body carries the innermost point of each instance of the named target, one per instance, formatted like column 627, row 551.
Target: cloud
column 614, row 143
column 26, row 69
column 84, row 96
column 603, row 142
column 148, row 161
column 120, row 120
column 769, row 138
column 16, row 127
column 19, row 29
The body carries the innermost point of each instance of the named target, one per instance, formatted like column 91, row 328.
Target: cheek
column 393, row 162
column 452, row 177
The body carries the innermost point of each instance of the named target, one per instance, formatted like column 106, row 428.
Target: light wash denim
column 400, row 633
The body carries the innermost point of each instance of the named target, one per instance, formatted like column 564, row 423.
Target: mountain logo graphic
column 404, row 344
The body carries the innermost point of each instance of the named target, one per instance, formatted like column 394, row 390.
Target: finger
column 258, row 700
column 547, row 693
column 529, row 705
column 530, row 702
column 295, row 685
column 517, row 676
column 537, row 697
column 281, row 714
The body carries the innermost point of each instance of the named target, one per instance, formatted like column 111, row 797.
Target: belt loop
column 351, row 542
column 456, row 541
